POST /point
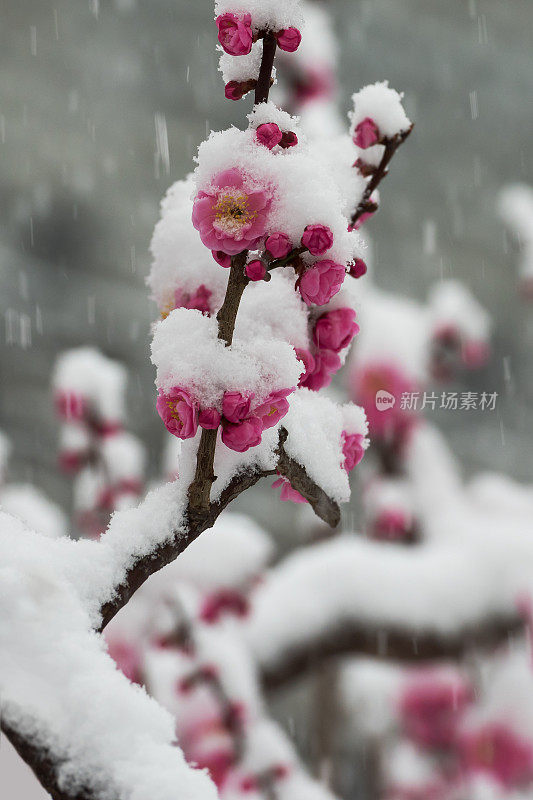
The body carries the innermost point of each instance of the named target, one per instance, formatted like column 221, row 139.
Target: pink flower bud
column 289, row 39
column 327, row 363
column 222, row 258
column 358, row 268
column 235, row 406
column 288, row 494
column 179, row 412
column 268, row 134
column 366, row 215
column 273, row 408
column 209, row 418
column 255, row 270
column 366, row 133
column 318, row 239
column 242, row 436
column 289, row 139
column 321, row 282
column 234, row 90
column 279, row 245
column 352, row 449
column 335, row 329
column 235, row 33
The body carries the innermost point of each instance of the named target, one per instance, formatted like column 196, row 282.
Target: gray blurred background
column 102, row 105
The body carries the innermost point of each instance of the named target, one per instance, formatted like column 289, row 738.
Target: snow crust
column 187, row 353
column 382, row 104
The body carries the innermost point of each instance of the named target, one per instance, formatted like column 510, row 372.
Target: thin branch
column 385, row 642
column 391, row 145
column 262, row 88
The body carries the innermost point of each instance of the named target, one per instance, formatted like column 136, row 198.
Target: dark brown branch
column 262, row 88
column 200, row 488
column 388, row 642
column 43, row 765
column 323, row 506
column 391, row 145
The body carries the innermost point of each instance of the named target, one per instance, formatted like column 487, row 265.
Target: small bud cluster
column 106, row 462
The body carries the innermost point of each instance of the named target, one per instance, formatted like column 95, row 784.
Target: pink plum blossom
column 279, row 245
column 321, row 282
column 273, row 408
column 235, row 33
column 352, row 450
column 256, row 270
column 358, row 268
column 289, row 39
column 495, row 749
column 231, row 216
column 335, row 329
column 307, row 360
column 318, row 239
column 288, row 494
column 179, row 412
column 209, row 418
column 222, row 258
column 327, row 363
column 269, row 135
column 366, row 133
column 236, row 406
column 432, row 707
column 240, row 437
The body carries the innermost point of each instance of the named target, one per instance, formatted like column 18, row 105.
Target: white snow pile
column 382, row 104
column 54, row 673
column 453, row 306
column 32, row 507
column 188, row 353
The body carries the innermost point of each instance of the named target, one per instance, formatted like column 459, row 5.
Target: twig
column 262, row 88
column 391, row 145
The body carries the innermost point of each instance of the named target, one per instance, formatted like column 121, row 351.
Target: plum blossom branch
column 404, row 645
column 366, row 205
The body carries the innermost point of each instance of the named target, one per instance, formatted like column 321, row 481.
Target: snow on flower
column 196, row 370
column 181, row 264
column 382, row 107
